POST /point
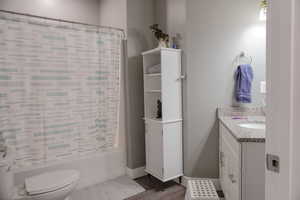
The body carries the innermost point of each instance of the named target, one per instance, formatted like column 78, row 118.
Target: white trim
column 136, row 173
column 174, row 178
column 159, row 49
column 162, row 122
column 282, row 110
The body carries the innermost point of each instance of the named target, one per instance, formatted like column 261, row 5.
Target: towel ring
column 243, row 55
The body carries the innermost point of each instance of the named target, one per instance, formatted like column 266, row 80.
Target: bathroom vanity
column 242, row 154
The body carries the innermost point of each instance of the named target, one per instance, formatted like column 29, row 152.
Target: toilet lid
column 50, row 181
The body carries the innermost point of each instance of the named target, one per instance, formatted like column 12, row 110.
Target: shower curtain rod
column 61, row 20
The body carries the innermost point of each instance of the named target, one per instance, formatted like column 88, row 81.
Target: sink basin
column 253, row 125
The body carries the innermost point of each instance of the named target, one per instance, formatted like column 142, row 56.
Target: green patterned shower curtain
column 59, row 88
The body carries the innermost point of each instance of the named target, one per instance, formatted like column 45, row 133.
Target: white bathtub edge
column 93, row 169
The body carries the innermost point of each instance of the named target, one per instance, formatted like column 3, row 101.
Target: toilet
column 54, row 185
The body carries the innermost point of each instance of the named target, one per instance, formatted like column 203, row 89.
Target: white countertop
column 231, row 121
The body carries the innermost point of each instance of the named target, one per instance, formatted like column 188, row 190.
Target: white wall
column 85, row 11
column 296, row 136
column 283, row 120
column 216, row 31
column 171, row 16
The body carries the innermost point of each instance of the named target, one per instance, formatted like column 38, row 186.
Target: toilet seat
column 50, row 181
column 55, row 185
column 21, row 194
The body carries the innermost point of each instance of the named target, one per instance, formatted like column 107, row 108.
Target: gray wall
column 216, row 31
column 86, row 11
column 139, row 38
column 135, row 16
column 213, row 31
column 171, row 16
column 113, row 13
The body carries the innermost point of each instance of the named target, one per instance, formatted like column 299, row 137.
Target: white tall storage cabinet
column 162, row 81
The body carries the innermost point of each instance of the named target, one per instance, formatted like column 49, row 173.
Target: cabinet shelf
column 153, row 91
column 153, row 75
column 162, row 121
column 153, row 119
column 158, row 51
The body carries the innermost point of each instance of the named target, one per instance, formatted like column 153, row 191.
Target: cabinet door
column 230, row 165
column 222, row 161
column 154, row 153
column 234, row 174
column 253, row 171
column 224, row 167
column 171, row 85
column 172, row 145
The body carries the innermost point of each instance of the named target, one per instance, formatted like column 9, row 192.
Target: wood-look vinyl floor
column 156, row 190
column 117, row 189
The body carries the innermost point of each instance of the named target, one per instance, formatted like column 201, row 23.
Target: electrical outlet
column 263, row 89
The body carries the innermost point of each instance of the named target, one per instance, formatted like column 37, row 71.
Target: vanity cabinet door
column 224, row 168
column 253, row 170
column 242, row 168
column 234, row 173
column 222, row 163
column 230, row 165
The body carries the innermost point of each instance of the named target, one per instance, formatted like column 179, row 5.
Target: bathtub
column 94, row 169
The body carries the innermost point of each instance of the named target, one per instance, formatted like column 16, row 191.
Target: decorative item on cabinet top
column 162, row 38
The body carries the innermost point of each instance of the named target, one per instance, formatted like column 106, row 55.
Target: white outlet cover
column 263, row 89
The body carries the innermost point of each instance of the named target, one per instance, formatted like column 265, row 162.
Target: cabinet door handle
column 182, row 77
column 231, row 177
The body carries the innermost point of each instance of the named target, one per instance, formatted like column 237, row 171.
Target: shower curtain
column 59, row 88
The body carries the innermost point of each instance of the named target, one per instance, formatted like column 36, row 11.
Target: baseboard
column 136, row 173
